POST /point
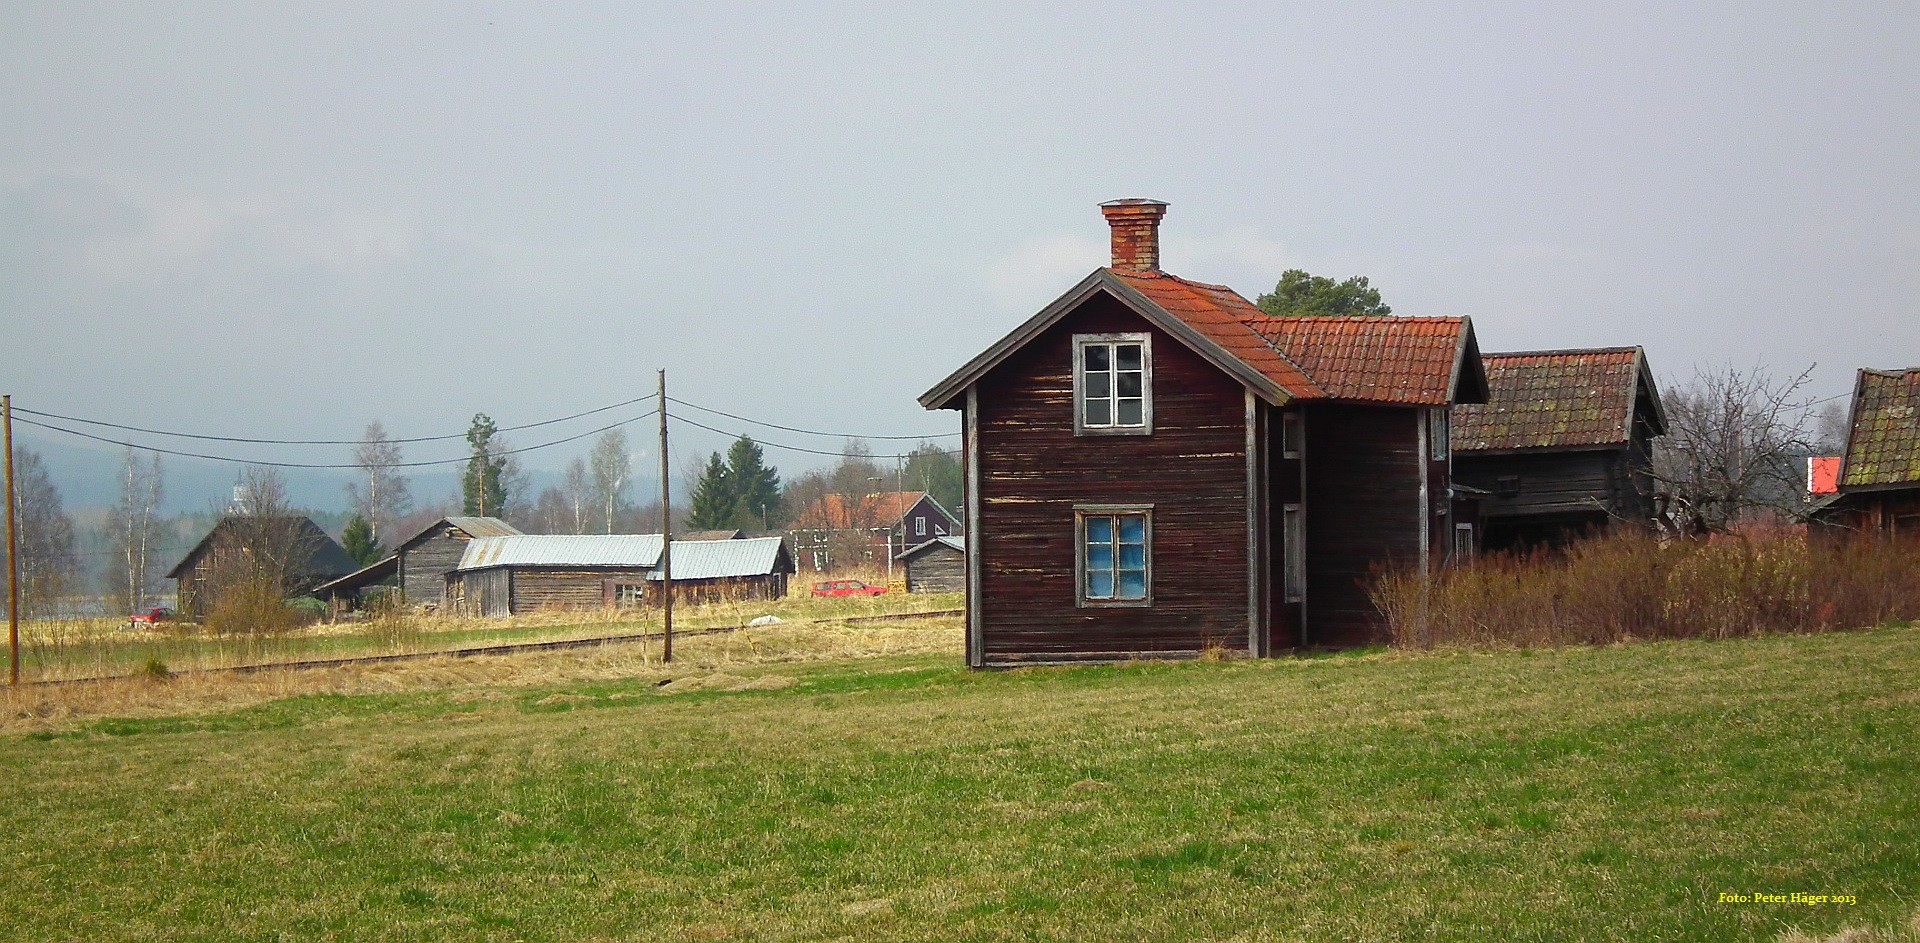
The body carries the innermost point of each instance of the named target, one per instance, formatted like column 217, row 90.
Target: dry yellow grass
column 56, row 707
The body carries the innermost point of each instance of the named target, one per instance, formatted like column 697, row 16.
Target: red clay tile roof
column 1883, row 441
column 1381, row 360
column 1375, row 360
column 835, row 512
column 1222, row 316
column 1552, row 399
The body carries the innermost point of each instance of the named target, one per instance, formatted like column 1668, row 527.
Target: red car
column 149, row 618
column 847, row 588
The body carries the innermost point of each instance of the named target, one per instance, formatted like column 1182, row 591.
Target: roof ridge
column 1635, row 348
column 1172, row 277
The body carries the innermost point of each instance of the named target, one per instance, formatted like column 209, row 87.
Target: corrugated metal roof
column 715, row 559
column 484, row 526
column 1883, row 441
column 629, row 550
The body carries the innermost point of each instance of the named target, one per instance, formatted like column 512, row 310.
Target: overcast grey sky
column 249, row 219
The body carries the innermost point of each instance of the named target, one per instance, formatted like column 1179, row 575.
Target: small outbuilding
column 1878, row 491
column 420, row 563
column 936, row 566
column 292, row 550
column 499, row 576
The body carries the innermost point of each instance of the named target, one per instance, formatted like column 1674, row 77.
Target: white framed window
column 629, row 595
column 1462, row 544
column 1293, row 546
column 1112, row 384
column 1437, row 433
column 1113, row 554
column 919, row 527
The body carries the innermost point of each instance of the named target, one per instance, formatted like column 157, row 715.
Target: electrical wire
column 787, row 448
column 274, row 464
column 830, row 435
column 222, row 438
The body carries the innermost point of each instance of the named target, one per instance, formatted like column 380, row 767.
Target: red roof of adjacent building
column 1374, row 360
column 836, row 512
column 1823, row 474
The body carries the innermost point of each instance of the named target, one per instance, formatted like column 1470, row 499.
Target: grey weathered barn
column 295, row 549
column 1562, row 446
column 937, row 566
column 499, row 576
column 420, row 564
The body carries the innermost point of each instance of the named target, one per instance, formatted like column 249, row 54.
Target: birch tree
column 612, row 468
column 382, row 495
column 131, row 531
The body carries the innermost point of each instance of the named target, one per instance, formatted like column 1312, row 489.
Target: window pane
column 1099, row 557
column 1130, row 414
column 1133, row 557
column 1133, row 585
column 1128, row 355
column 1129, row 384
column 1133, row 529
column 1098, row 385
column 1099, row 412
column 1099, row 584
column 1099, row 530
column 1098, row 356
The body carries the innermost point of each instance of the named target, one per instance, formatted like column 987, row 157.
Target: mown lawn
column 1608, row 794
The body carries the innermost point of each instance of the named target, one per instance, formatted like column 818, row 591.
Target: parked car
column 847, row 588
column 148, row 618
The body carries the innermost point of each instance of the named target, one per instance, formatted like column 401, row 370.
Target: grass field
column 784, row 794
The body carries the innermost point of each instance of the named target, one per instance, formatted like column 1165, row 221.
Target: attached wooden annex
column 1563, row 446
column 1156, row 467
column 1879, row 481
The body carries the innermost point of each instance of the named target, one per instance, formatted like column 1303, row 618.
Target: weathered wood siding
column 937, row 569
column 1033, row 470
column 480, row 593
column 1363, row 471
column 426, row 561
column 504, row 590
column 581, row 588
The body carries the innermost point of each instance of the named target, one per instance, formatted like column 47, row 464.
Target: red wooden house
column 1156, row 467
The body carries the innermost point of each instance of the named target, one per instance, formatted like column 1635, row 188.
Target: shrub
column 1616, row 587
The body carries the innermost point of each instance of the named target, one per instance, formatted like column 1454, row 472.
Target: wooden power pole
column 13, row 555
column 666, row 529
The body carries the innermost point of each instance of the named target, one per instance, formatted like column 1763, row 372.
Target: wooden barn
column 294, row 548
column 1878, row 491
column 1562, row 447
column 499, row 576
column 937, row 566
column 1156, row 467
column 421, row 563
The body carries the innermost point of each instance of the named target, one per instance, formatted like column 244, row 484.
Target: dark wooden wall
column 426, row 561
column 1033, row 470
column 479, row 593
column 1363, row 470
column 937, row 569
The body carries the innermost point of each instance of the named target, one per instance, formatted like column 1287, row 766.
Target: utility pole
column 666, row 527
column 13, row 555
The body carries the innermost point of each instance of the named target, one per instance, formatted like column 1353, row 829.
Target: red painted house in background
column 1156, row 467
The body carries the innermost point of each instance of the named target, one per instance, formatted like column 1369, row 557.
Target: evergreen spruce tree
column 483, row 490
column 357, row 538
column 755, row 487
column 714, row 501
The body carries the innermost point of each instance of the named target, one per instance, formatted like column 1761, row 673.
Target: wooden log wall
column 937, row 569
column 1034, row 470
column 1363, row 470
column 426, row 561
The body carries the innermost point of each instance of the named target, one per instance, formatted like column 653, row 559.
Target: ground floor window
column 629, row 595
column 1462, row 544
column 1293, row 546
column 1113, row 554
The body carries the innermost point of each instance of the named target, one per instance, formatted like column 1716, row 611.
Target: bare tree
column 1735, row 442
column 550, row 512
column 385, row 494
column 578, row 491
column 612, row 468
column 48, row 565
column 1830, row 427
column 264, row 557
column 131, row 531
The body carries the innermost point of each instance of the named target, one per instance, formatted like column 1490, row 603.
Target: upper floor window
column 1437, row 433
column 920, row 527
column 1112, row 384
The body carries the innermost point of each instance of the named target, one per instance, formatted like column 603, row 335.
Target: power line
column 830, row 435
column 249, row 441
column 776, row 445
column 274, row 464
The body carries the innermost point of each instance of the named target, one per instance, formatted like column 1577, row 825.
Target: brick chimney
column 1136, row 233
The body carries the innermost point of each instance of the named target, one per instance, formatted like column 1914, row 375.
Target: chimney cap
column 1135, row 201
